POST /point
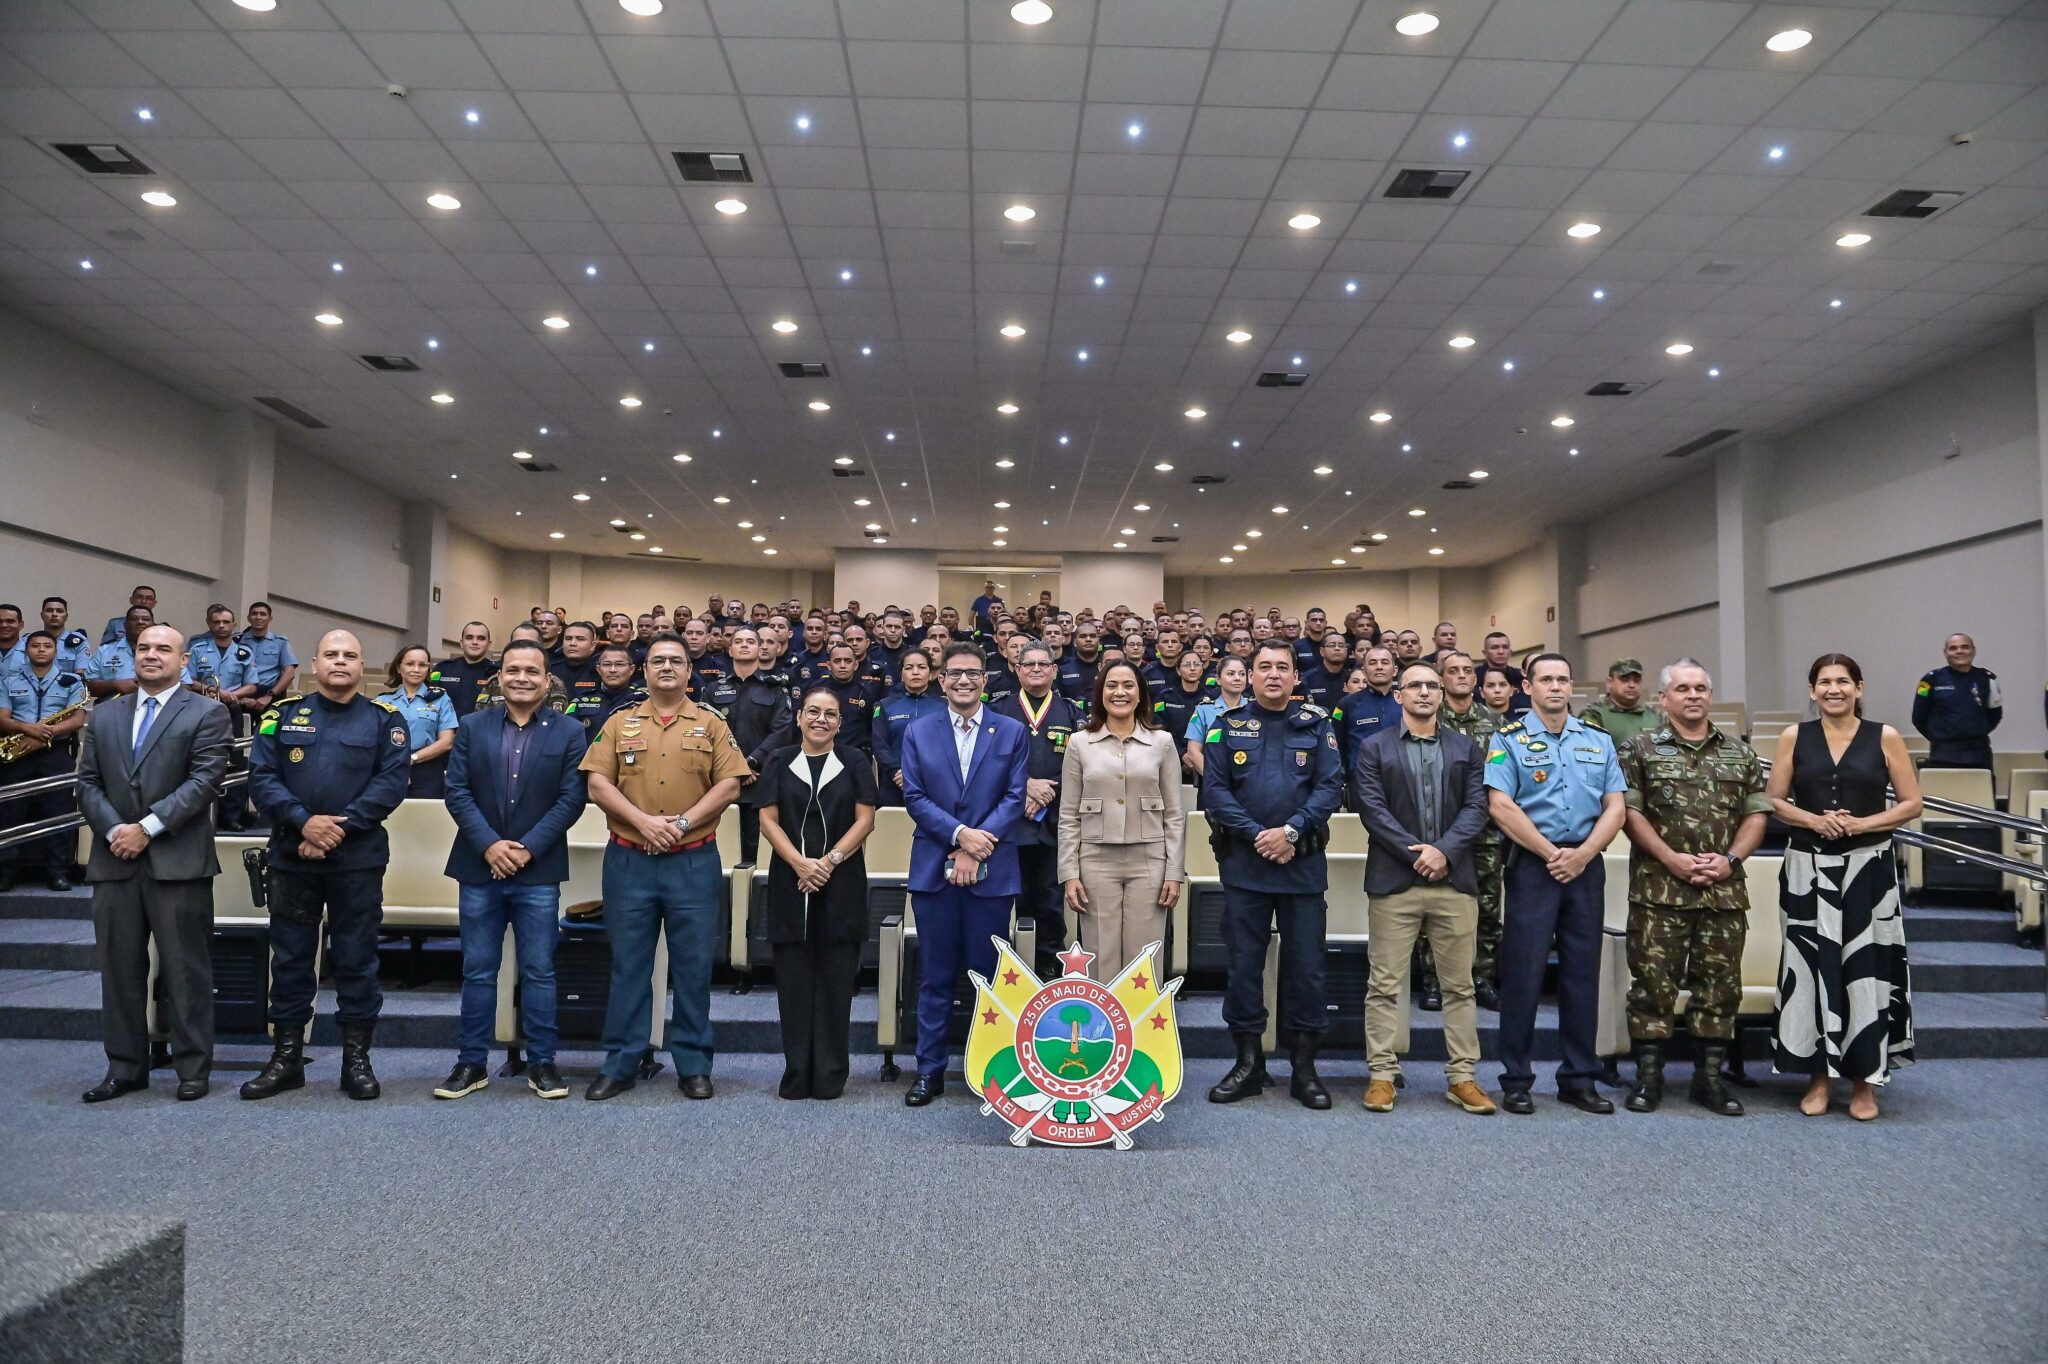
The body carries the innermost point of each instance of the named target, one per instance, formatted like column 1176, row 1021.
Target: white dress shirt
column 150, row 824
column 966, row 728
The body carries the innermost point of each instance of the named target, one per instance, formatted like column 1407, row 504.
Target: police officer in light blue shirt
column 272, row 664
column 73, row 646
column 144, row 596
column 1555, row 789
column 30, row 699
column 430, row 720
column 110, row 671
column 12, row 656
column 217, row 658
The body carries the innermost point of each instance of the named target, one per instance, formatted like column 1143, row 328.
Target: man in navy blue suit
column 964, row 770
column 515, row 785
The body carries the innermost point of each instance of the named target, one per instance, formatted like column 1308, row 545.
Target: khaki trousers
column 1450, row 918
column 1122, row 881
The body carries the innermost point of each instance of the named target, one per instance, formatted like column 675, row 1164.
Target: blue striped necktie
column 148, row 719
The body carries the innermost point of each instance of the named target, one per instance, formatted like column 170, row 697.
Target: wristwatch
column 683, row 823
column 1293, row 834
column 1734, row 862
column 834, row 857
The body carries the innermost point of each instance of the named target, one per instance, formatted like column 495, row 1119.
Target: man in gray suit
column 148, row 776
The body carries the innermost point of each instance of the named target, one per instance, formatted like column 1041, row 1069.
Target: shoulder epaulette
column 1314, row 711
column 284, row 701
column 380, row 701
column 1511, row 726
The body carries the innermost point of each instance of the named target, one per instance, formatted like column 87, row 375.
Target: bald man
column 326, row 769
column 148, row 776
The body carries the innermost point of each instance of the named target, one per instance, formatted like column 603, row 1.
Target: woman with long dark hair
column 1122, row 833
column 429, row 720
column 1845, row 1005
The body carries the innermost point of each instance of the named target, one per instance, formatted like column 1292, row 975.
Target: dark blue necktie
column 148, row 719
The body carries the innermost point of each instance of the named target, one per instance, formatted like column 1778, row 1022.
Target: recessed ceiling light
column 336, row 267
column 1853, row 239
column 758, row 539
column 447, row 203
column 867, row 350
column 1479, row 474
column 1788, row 40
column 556, row 535
column 888, row 435
column 803, row 123
column 1082, row 356
column 157, row 198
column 1225, row 559
column 1678, row 348
column 819, row 405
column 328, row 319
column 1101, row 280
column 863, row 502
column 637, row 535
column 1583, row 230
column 1141, row 507
column 1507, row 366
column 1599, row 294
column 1020, row 213
column 1350, row 286
column 1002, row 506
column 432, row 344
column 1000, row 544
column 146, row 115
column 1126, row 530
column 1298, row 362
column 85, row 265
column 1253, row 534
column 617, row 523
column 455, row 475
column 681, row 456
column 1302, row 222
column 1279, row 511
column 472, row 116
column 1240, row 548
column 1000, row 530
column 591, row 271
column 1776, row 153
column 555, row 323
column 443, row 398
column 1013, row 331
column 629, row 401
column 1436, row 549
column 579, row 497
column 1378, row 536
column 1560, row 422
column 1406, row 448
column 843, row 461
column 1834, row 303
column 1462, row 342
column 1381, row 417
column 1121, row 544
column 1460, row 141
column 1573, row 451
column 1006, row 464
column 874, row 525
column 722, row 500
column 1418, row 511
column 744, row 525
column 1714, row 373
column 1416, row 24
column 1194, row 414
column 522, row 454
column 1135, row 130
column 783, row 325
column 731, row 207
column 1007, row 409
column 259, row 6
column 1238, row 337
column 646, row 9
column 1337, row 561
column 846, row 276
column 1163, row 467
column 1032, row 12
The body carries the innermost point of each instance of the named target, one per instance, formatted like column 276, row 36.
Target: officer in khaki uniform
column 1621, row 711
column 662, row 772
column 1461, row 688
column 1695, row 808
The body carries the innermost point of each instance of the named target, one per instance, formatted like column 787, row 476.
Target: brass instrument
column 13, row 746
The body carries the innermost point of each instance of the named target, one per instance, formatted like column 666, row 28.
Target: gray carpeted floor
column 504, row 1228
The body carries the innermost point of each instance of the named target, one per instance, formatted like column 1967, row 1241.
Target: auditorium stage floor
column 503, row 1228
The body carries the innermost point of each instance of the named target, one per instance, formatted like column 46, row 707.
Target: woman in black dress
column 1845, row 1003
column 817, row 809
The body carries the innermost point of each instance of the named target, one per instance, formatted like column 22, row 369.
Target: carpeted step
column 1975, row 967
column 45, row 945
column 1958, row 925
column 37, row 901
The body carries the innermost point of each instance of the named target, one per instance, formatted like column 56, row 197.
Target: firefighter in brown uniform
column 662, row 772
column 1695, row 808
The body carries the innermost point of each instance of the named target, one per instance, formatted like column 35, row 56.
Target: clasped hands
column 506, row 858
column 1700, row 869
column 976, row 846
column 1272, row 845
column 1840, row 824
column 1039, row 792
column 1566, row 865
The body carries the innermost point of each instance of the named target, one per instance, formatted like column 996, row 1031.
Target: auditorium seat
column 1965, row 785
column 2027, row 894
column 1732, row 716
column 2019, row 792
column 1775, row 720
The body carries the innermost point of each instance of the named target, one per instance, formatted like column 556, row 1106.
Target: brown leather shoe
column 1379, row 1096
column 1469, row 1097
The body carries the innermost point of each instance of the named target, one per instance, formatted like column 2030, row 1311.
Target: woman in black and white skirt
column 1845, row 1005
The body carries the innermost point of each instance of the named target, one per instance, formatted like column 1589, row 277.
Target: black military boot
column 1709, row 1091
column 1306, row 1086
column 1431, row 1000
column 1246, row 1078
column 286, row 1068
column 358, row 1081
column 1648, row 1090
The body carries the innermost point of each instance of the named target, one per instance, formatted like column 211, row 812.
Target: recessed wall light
column 555, row 323
column 1678, row 348
column 629, row 401
column 1416, row 24
column 1238, row 337
column 328, row 319
column 1462, row 342
column 447, row 203
column 1302, row 222
column 783, row 325
column 1853, row 239
column 157, row 198
column 1033, row 12
column 1560, row 422
column 1380, row 417
column 442, row 398
column 731, row 207
column 1020, row 213
column 1194, row 414
column 1012, row 330
column 819, row 405
column 1788, row 40
column 1583, row 230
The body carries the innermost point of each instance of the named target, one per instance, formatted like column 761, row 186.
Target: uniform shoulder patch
column 68, row 679
column 380, row 701
column 242, row 653
column 432, row 693
column 1314, row 711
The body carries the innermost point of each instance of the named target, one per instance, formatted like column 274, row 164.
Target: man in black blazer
column 515, row 785
column 1421, row 791
column 148, row 776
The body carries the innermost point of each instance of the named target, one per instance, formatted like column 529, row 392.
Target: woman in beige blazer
column 1122, row 833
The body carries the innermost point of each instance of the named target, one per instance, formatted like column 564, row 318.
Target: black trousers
column 1040, row 898
column 750, row 832
column 814, row 983
column 179, row 915
column 428, row 780
column 353, row 902
column 1959, row 753
column 1569, row 914
column 1248, row 919
column 51, row 855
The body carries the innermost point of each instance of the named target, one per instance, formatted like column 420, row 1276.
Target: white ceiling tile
column 359, row 113
column 1161, row 23
column 1383, row 82
column 914, row 122
column 1477, row 86
column 1543, row 30
column 1146, row 75
column 1840, row 102
column 1613, row 91
column 788, row 66
column 1666, row 31
column 586, row 116
column 693, row 122
column 908, row 70
column 1672, row 147
column 312, row 59
column 1266, row 79
column 188, row 59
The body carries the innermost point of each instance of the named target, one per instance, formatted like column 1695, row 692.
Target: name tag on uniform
column 630, row 746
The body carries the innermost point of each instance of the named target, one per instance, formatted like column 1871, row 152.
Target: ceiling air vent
column 725, row 168
column 849, row 473
column 1201, row 480
column 1441, row 186
column 1166, row 539
column 1277, row 378
column 803, row 369
column 676, row 558
column 1914, row 203
column 1460, row 485
column 101, row 158
column 390, row 364
column 536, row 466
column 1616, row 389
column 127, row 236
column 875, row 534
column 1012, row 246
column 293, row 413
column 1693, row 447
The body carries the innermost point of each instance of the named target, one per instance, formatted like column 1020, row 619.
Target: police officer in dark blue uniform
column 326, row 769
column 755, row 704
column 31, row 699
column 1362, row 714
column 1322, row 681
column 913, row 696
column 1184, row 692
column 615, row 671
column 1271, row 779
column 857, row 698
column 464, row 675
column 866, row 663
column 1076, row 680
column 576, row 669
column 1051, row 720
column 1957, row 706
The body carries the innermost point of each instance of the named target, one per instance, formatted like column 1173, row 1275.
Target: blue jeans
column 530, row 909
column 676, row 894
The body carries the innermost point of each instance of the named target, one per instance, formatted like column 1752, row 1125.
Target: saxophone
column 13, row 746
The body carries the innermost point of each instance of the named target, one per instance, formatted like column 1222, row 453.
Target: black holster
column 256, row 861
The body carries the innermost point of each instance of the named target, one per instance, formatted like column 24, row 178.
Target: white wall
column 1106, row 580
column 1688, row 634
column 1653, row 558
column 490, row 583
column 1295, row 593
column 876, row 577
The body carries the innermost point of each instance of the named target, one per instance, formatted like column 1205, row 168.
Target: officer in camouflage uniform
column 1621, row 711
column 488, row 695
column 1695, row 808
column 1477, row 723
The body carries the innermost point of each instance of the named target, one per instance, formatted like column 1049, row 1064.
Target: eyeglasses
column 1421, row 686
column 1036, row 663
column 819, row 713
column 963, row 674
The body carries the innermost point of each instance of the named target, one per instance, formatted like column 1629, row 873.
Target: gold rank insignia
column 1240, row 757
column 297, row 755
column 1252, row 725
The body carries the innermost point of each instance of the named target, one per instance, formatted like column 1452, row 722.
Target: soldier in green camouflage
column 1621, row 712
column 1463, row 712
column 1696, row 808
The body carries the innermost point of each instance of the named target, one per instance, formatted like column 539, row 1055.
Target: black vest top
column 1857, row 783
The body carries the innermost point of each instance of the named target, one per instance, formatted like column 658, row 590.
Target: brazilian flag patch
column 1925, row 688
column 1499, row 755
column 267, row 727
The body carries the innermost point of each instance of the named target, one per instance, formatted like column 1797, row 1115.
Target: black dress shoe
column 1432, row 1001
column 924, row 1089
column 1586, row 1100
column 545, row 1080
column 188, row 1090
column 1486, row 994
column 1517, row 1101
column 605, row 1087
column 111, row 1088
column 694, row 1086
column 60, row 882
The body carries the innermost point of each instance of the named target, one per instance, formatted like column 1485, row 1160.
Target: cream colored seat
column 2022, row 785
column 1964, row 785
